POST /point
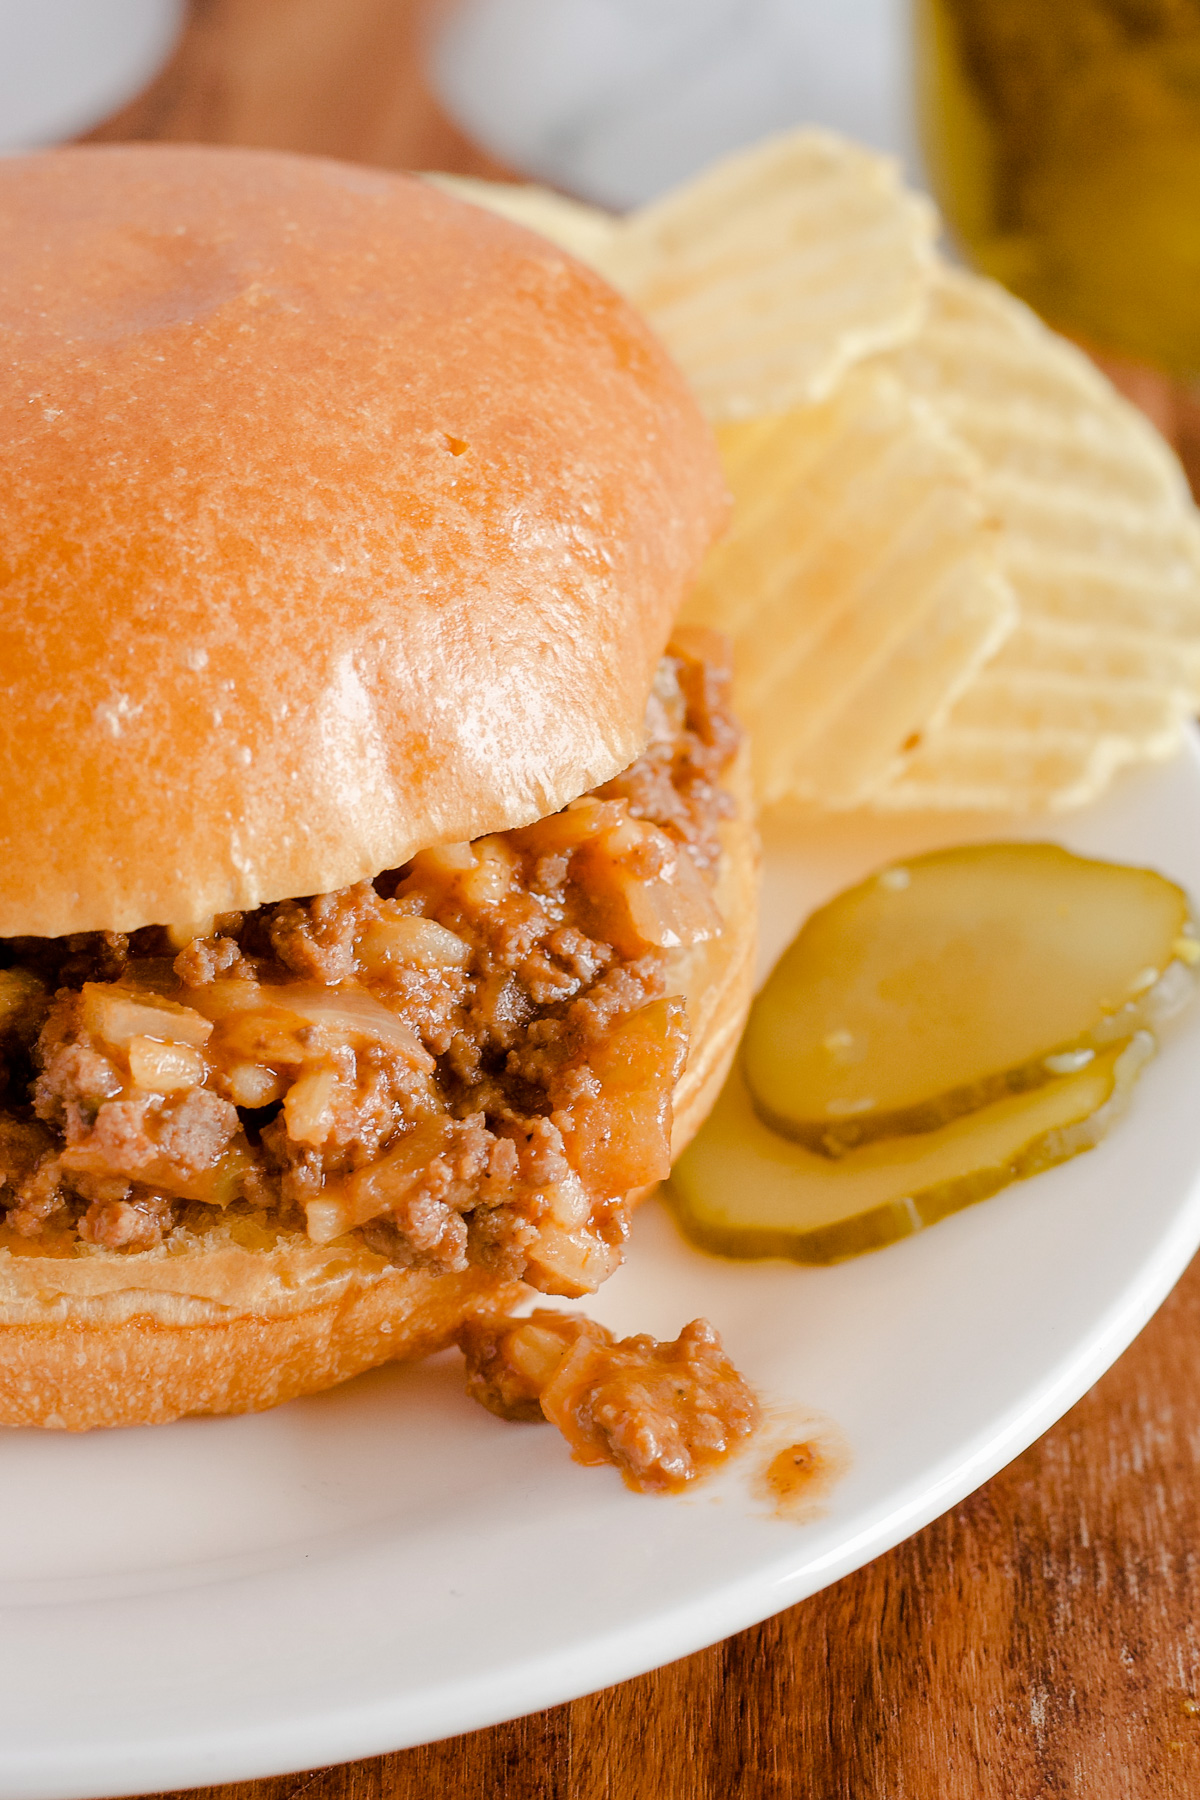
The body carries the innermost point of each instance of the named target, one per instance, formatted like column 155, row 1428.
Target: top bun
column 337, row 518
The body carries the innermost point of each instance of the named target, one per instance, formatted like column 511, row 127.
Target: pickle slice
column 741, row 1190
column 949, row 980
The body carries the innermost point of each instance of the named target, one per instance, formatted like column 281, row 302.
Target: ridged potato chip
column 584, row 231
column 1100, row 543
column 771, row 273
column 768, row 275
column 858, row 581
column 1057, row 634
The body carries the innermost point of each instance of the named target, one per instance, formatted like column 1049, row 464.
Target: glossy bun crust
column 106, row 1338
column 337, row 518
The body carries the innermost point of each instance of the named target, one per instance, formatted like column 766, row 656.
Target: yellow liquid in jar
column 1063, row 141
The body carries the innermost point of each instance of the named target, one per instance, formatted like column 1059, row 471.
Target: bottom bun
column 158, row 1363
column 251, row 1316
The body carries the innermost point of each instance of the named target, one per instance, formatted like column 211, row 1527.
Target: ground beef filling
column 467, row 1060
column 663, row 1413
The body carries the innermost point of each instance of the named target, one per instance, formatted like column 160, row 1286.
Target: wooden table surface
column 1040, row 1640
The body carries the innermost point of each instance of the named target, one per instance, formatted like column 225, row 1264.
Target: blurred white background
column 67, row 64
column 614, row 100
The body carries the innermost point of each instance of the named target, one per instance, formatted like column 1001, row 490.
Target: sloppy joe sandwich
column 375, row 904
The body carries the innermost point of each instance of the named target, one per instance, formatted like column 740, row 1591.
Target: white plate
column 386, row 1564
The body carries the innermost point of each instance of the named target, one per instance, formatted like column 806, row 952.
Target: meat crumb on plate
column 662, row 1413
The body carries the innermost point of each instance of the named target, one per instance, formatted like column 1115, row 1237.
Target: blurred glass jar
column 1063, row 143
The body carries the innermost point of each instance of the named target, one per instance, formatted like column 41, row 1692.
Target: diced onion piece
column 567, row 830
column 570, row 1263
column 220, row 998
column 227, row 1180
column 620, row 1135
column 164, row 1068
column 489, row 881
column 117, row 1017
column 267, row 1035
column 381, row 1184
column 250, row 1084
column 482, row 871
column 405, row 941
column 444, row 859
column 568, row 1256
column 180, row 936
column 644, row 890
column 222, row 1181
column 354, row 1012
column 536, row 1349
column 220, row 1184
column 642, row 887
column 308, row 1107
column 674, row 909
column 327, row 1218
